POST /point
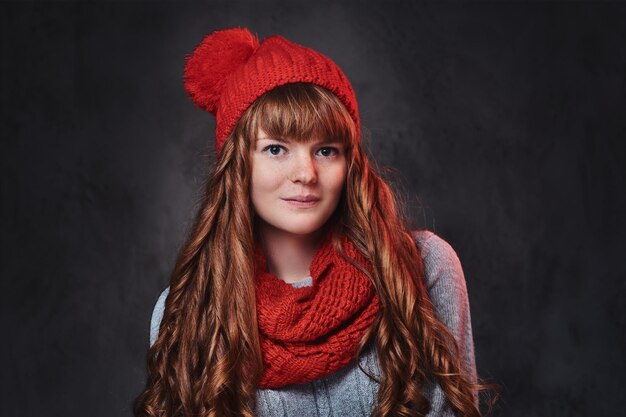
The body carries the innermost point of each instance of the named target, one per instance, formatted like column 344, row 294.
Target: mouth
column 303, row 198
column 302, row 201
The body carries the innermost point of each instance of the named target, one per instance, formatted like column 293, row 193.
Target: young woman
column 300, row 290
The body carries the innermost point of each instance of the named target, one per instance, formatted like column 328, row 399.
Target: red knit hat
column 229, row 70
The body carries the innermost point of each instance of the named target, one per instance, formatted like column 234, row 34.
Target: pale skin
column 295, row 188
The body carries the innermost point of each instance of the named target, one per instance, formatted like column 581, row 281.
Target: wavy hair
column 207, row 360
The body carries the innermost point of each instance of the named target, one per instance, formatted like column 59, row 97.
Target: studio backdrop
column 501, row 126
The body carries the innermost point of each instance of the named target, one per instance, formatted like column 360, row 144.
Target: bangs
column 302, row 112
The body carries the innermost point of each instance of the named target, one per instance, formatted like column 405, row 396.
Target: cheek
column 337, row 181
column 263, row 184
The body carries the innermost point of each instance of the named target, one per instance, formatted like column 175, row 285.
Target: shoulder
column 445, row 283
column 441, row 262
column 157, row 315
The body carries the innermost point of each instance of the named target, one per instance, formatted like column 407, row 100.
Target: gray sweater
column 349, row 391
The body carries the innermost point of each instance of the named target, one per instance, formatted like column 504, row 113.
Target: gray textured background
column 505, row 123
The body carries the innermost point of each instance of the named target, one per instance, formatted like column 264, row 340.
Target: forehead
column 312, row 139
column 300, row 113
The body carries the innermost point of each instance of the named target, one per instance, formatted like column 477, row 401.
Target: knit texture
column 310, row 332
column 211, row 63
column 229, row 70
column 350, row 391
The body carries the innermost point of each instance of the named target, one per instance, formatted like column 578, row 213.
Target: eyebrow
column 321, row 142
column 272, row 138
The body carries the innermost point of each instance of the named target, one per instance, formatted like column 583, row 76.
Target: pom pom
column 210, row 64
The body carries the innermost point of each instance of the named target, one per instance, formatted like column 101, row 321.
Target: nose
column 304, row 170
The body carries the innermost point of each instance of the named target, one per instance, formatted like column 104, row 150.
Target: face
column 295, row 187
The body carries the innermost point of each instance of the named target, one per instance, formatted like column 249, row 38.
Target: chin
column 299, row 226
column 301, row 229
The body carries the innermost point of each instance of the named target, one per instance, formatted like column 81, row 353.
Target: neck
column 288, row 255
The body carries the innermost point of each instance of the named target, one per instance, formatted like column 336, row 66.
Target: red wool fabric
column 310, row 332
column 230, row 69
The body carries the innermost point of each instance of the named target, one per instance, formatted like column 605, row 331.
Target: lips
column 302, row 201
column 303, row 198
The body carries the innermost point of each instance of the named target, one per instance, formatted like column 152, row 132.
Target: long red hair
column 207, row 360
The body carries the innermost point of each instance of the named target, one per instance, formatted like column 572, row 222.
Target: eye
column 274, row 150
column 328, row 151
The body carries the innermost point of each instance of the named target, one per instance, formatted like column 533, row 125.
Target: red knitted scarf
column 311, row 332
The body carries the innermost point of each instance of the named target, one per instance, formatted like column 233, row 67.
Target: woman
column 299, row 290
